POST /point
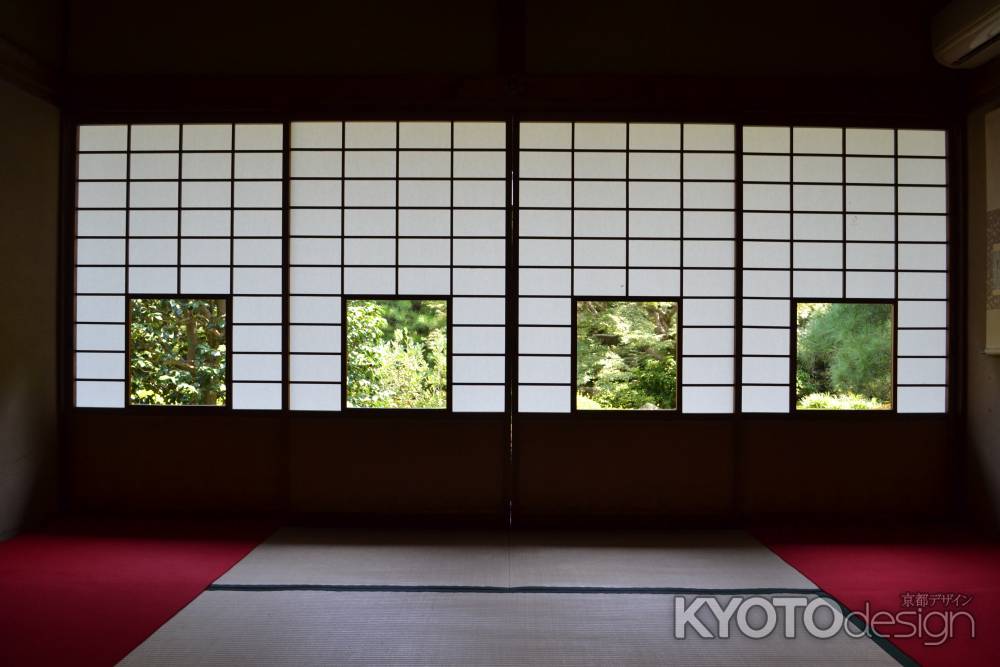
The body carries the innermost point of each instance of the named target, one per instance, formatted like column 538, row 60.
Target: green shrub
column 819, row 401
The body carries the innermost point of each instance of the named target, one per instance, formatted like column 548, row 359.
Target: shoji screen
column 636, row 210
column 843, row 213
column 171, row 210
column 407, row 208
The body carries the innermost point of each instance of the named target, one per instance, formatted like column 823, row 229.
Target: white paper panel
column 478, row 340
column 101, row 166
column 922, row 314
column 766, row 225
column 654, row 282
column 152, row 280
column 315, row 367
column 425, row 222
column 765, row 399
column 766, row 168
column 256, row 396
column 314, row 396
column 599, row 253
column 599, row 224
column 654, row 224
column 316, row 135
column 921, row 399
column 256, row 309
column 315, row 164
column 765, row 370
column 766, row 139
column 256, row 281
column 868, row 141
column 766, row 312
column 478, row 369
column 599, row 282
column 100, row 223
column 425, row 135
column 544, row 311
column 544, row 340
column 817, row 284
column 922, row 142
column 100, row 394
column 369, row 280
column 425, row 252
column 478, row 311
column 480, row 135
column 707, row 399
column 256, row 367
column 921, row 343
column 871, row 227
column 465, row 398
column 708, row 370
column 809, row 168
column 923, row 285
column 543, row 399
column 100, row 365
column 764, row 342
column 708, row 312
column 424, row 281
column 205, row 280
column 871, row 285
column 709, row 341
column 256, row 338
column 705, row 282
column 653, row 253
column 487, row 282
column 207, row 137
column 818, row 226
column 654, row 136
column 871, row 256
column 103, row 138
column 654, row 165
column 544, row 370
column 598, row 165
column 921, row 371
column 757, row 197
column 479, row 252
column 817, row 139
column 870, row 170
column 100, row 309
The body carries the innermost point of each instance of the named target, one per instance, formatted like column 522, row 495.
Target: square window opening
column 397, row 353
column 178, row 351
column 626, row 355
column 844, row 356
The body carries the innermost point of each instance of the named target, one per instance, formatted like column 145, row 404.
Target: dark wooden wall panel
column 605, row 468
column 851, row 468
column 449, row 466
column 174, row 464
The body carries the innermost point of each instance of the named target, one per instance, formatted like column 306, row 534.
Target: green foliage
column 397, row 354
column 846, row 401
column 844, row 359
column 626, row 355
column 177, row 352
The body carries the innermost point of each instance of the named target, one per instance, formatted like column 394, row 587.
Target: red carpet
column 87, row 593
column 881, row 571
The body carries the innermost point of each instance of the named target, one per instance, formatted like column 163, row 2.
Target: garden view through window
column 626, row 355
column 177, row 351
column 844, row 356
column 397, row 353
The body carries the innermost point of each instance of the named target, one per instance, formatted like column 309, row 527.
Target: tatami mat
column 251, row 628
column 687, row 559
